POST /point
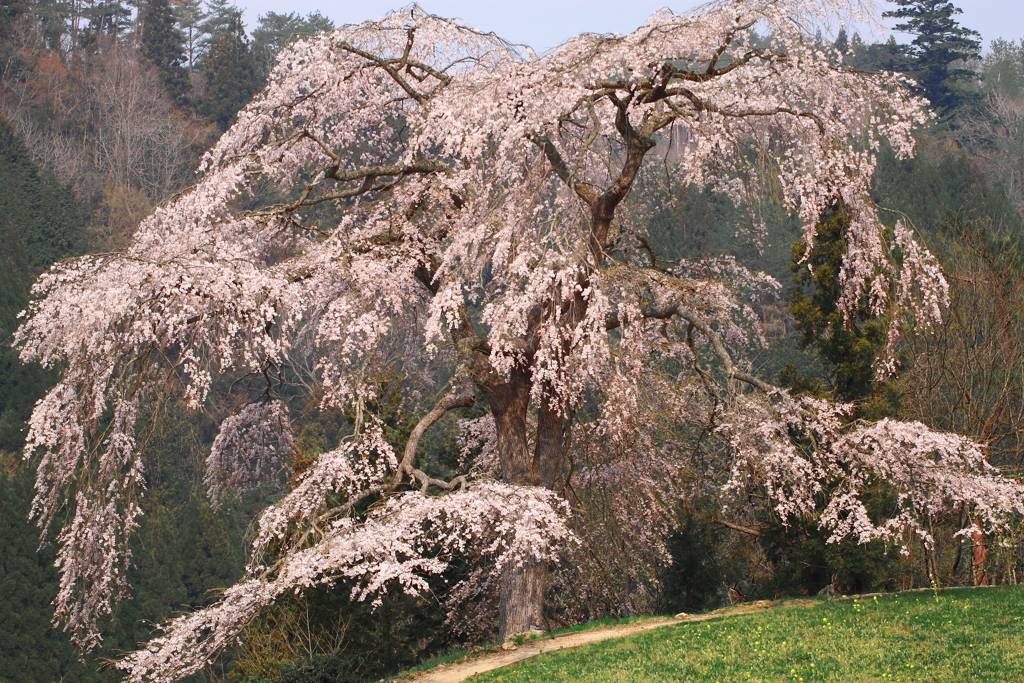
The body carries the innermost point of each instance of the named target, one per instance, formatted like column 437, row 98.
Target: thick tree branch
column 665, row 297
column 603, row 210
column 558, row 165
column 421, row 166
column 741, row 529
column 649, row 92
column 367, row 175
column 459, row 397
column 703, row 105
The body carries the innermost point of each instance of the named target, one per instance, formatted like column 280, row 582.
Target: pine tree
column 842, row 42
column 190, row 17
column 941, row 42
column 218, row 19
column 231, row 73
column 275, row 31
column 163, row 44
column 110, row 19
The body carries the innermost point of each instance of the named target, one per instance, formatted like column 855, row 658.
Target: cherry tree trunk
column 979, row 554
column 521, row 607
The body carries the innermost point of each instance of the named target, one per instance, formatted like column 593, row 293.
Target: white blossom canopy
column 441, row 191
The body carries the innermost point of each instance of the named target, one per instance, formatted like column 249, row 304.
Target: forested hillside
column 106, row 109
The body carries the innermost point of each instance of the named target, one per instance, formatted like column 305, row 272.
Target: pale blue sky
column 542, row 24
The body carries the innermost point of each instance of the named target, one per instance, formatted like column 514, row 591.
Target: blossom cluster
column 927, row 471
column 251, row 447
column 396, row 547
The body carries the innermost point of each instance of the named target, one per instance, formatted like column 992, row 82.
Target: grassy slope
column 958, row 635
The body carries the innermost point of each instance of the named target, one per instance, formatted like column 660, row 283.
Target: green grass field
column 956, row 636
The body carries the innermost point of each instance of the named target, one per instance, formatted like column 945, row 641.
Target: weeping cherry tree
column 447, row 199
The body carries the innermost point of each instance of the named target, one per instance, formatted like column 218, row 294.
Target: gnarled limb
column 459, row 397
column 367, row 175
column 742, row 529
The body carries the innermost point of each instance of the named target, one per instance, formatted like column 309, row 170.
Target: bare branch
column 389, row 66
column 582, row 190
column 703, row 105
column 367, row 175
column 721, row 351
column 742, row 529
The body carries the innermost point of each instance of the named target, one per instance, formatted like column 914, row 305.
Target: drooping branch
column 663, row 297
column 721, row 351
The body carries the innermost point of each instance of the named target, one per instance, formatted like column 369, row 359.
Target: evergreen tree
column 863, row 56
column 163, row 44
column 218, row 19
column 802, row 558
column 930, row 187
column 939, row 44
column 231, row 72
column 275, row 31
column 190, row 17
column 10, row 10
column 156, row 577
column 212, row 555
column 31, row 650
column 1003, row 69
column 842, row 42
column 38, row 225
column 110, row 19
column 847, row 347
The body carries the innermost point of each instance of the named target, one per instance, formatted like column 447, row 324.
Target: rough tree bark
column 521, row 607
column 979, row 554
column 521, row 601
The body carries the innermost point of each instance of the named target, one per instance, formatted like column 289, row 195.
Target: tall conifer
column 190, row 19
column 933, row 55
column 163, row 44
column 231, row 73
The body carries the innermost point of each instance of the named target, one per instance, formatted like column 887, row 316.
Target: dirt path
column 461, row 670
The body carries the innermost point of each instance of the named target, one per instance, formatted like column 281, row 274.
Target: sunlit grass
column 953, row 636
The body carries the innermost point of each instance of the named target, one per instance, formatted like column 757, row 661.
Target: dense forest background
column 105, row 110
